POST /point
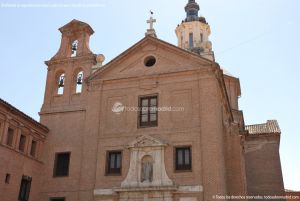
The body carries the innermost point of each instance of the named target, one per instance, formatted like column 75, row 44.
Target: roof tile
column 270, row 127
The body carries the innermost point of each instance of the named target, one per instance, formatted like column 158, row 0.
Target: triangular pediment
column 146, row 141
column 169, row 59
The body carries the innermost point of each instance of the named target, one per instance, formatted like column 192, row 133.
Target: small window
column 74, row 48
column 150, row 61
column 183, row 158
column 33, row 148
column 201, row 37
column 61, row 164
column 10, row 137
column 61, row 84
column 22, row 143
column 57, row 199
column 25, row 188
column 114, row 162
column 148, row 111
column 7, row 178
column 79, row 80
column 191, row 40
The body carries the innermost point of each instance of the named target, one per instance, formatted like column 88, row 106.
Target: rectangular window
column 33, row 148
column 114, row 162
column 22, row 143
column 191, row 40
column 25, row 188
column 183, row 158
column 148, row 111
column 10, row 137
column 201, row 37
column 57, row 199
column 61, row 164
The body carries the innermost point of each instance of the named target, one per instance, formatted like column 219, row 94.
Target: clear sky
column 255, row 40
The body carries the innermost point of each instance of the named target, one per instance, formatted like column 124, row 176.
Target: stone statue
column 147, row 171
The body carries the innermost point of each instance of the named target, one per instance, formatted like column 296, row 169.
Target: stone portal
column 147, row 178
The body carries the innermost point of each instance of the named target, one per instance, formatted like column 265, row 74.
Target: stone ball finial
column 100, row 58
column 208, row 45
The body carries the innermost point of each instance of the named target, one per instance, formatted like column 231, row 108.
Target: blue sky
column 255, row 40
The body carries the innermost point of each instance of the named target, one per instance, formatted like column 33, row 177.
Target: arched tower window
column 61, row 84
column 74, row 47
column 79, row 80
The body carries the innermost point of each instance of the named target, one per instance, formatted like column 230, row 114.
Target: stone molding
column 177, row 189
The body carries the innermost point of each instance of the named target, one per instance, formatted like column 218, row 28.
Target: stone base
column 147, row 193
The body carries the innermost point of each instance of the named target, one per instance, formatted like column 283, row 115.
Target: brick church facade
column 157, row 123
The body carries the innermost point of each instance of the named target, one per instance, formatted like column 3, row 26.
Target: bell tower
column 193, row 33
column 65, row 87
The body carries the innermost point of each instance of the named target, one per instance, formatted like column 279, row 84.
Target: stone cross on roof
column 151, row 30
column 151, row 21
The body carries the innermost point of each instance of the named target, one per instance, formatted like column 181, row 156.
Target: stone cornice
column 20, row 153
column 95, row 84
column 69, row 60
column 49, row 110
column 219, row 75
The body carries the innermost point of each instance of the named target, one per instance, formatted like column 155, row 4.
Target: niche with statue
column 147, row 166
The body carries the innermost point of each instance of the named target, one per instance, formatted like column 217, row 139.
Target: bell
column 74, row 47
column 61, row 83
column 79, row 80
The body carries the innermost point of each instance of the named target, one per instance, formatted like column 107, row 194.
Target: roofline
column 270, row 132
column 137, row 44
column 62, row 29
column 220, row 75
column 19, row 112
column 231, row 77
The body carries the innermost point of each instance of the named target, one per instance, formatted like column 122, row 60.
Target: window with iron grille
column 114, row 163
column 61, row 164
column 183, row 158
column 148, row 114
column 25, row 188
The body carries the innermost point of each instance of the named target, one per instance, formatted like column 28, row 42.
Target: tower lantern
column 193, row 33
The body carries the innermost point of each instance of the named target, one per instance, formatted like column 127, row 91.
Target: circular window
column 150, row 61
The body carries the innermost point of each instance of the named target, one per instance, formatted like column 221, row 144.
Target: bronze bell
column 61, row 82
column 74, row 47
column 79, row 80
